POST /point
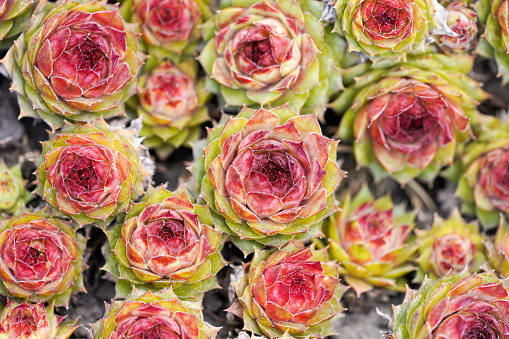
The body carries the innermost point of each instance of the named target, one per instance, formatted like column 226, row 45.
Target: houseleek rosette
column 14, row 17
column 450, row 245
column 90, row 173
column 169, row 28
column 270, row 53
column 406, row 120
column 268, row 176
column 497, row 251
column 483, row 183
column 76, row 61
column 372, row 241
column 462, row 20
column 27, row 321
column 153, row 315
column 290, row 293
column 494, row 14
column 171, row 103
column 466, row 306
column 384, row 28
column 13, row 194
column 166, row 240
column 40, row 259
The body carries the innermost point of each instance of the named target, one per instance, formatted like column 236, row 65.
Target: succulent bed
column 173, row 169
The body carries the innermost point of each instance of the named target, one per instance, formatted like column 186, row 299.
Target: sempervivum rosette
column 495, row 40
column 168, row 27
column 450, row 245
column 270, row 52
column 456, row 306
column 290, row 291
column 371, row 240
column 153, row 315
column 25, row 321
column 77, row 60
column 384, row 28
column 40, row 259
column 172, row 105
column 268, row 176
column 12, row 189
column 14, row 16
column 90, row 172
column 166, row 241
column 484, row 182
column 498, row 250
column 463, row 21
column 407, row 120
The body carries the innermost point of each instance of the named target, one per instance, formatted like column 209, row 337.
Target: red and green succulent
column 13, row 194
column 166, row 240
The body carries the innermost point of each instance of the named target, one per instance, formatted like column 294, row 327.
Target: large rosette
column 371, row 240
column 172, row 105
column 450, row 245
column 153, row 315
column 270, row 52
column 293, row 291
column 384, row 28
column 456, row 306
column 90, row 172
column 76, row 61
column 40, row 259
column 25, row 321
column 407, row 119
column 268, row 176
column 165, row 241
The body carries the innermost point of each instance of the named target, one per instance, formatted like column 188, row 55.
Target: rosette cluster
column 166, row 241
column 270, row 53
column 450, row 245
column 90, row 173
column 268, row 176
column 408, row 119
column 372, row 241
column 76, row 61
column 172, row 105
column 153, row 315
column 40, row 259
column 291, row 291
column 456, row 306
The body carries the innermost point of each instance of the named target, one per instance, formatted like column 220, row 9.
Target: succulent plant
column 289, row 293
column 483, row 183
column 166, row 240
column 371, row 240
column 13, row 194
column 76, row 61
column 172, row 105
column 498, row 250
column 14, row 16
column 268, row 176
column 153, row 315
column 270, row 52
column 494, row 14
column 384, row 28
column 169, row 28
column 25, row 321
column 408, row 119
column 466, row 306
column 40, row 259
column 90, row 172
column 463, row 21
column 450, row 245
